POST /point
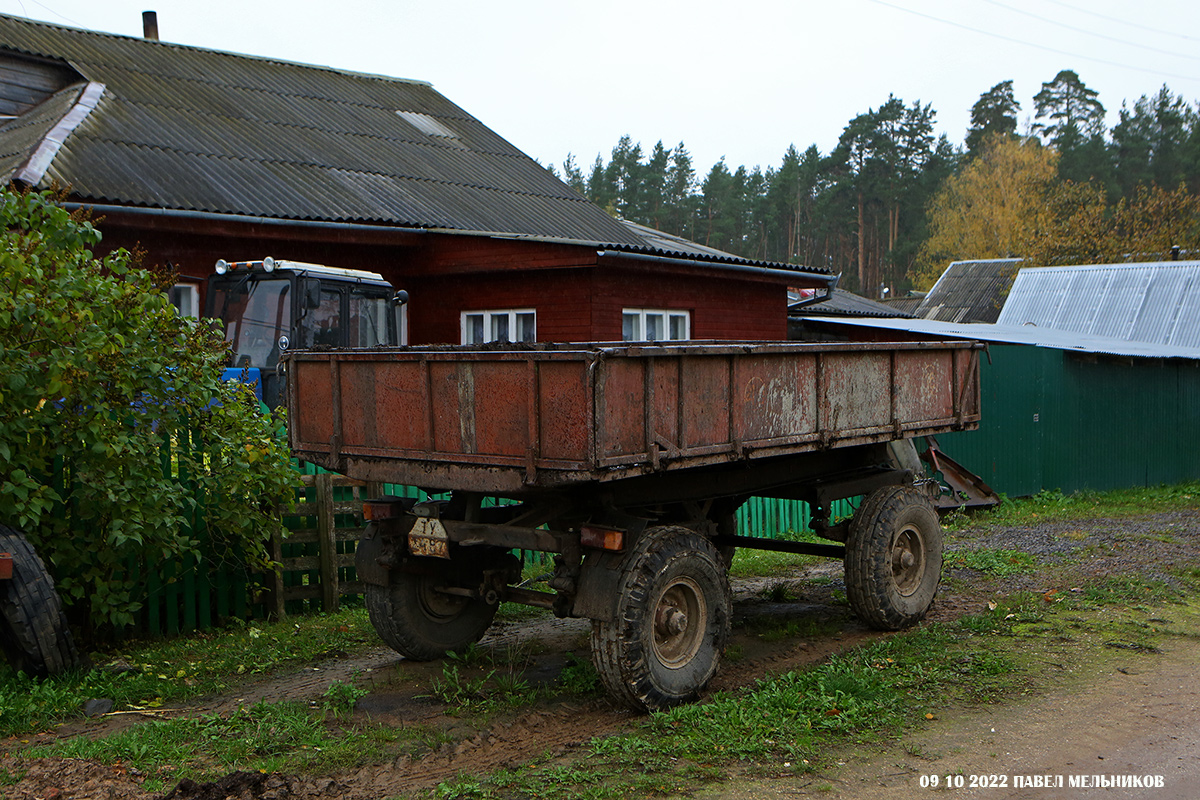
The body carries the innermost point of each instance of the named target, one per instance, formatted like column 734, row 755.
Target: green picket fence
column 204, row 592
column 191, row 594
column 768, row 517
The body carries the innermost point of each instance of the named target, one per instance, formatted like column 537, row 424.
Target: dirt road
column 1140, row 715
column 1140, row 719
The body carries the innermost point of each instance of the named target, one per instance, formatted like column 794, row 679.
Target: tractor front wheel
column 33, row 629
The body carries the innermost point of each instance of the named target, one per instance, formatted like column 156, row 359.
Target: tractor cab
column 270, row 306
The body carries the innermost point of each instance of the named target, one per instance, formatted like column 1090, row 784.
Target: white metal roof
column 1153, row 302
column 1025, row 334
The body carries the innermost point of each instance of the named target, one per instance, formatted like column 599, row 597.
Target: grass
column 803, row 721
column 749, row 563
column 1056, row 506
column 1001, row 563
column 285, row 736
column 142, row 674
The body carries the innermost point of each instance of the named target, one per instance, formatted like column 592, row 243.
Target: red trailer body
column 513, row 420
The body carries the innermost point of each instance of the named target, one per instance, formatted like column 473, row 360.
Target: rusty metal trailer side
column 523, row 418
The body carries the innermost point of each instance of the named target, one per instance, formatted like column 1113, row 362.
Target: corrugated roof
column 842, row 303
column 1155, row 302
column 668, row 242
column 970, row 291
column 905, row 306
column 200, row 130
column 1027, row 335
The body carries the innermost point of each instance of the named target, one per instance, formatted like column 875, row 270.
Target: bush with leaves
column 120, row 447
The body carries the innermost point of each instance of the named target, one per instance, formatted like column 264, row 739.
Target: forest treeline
column 892, row 203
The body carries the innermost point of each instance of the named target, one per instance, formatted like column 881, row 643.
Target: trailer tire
column 33, row 629
column 421, row 623
column 893, row 558
column 671, row 621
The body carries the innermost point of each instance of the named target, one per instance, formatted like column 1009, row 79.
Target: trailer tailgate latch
column 428, row 537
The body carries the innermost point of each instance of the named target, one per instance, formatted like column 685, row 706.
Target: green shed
column 1063, row 410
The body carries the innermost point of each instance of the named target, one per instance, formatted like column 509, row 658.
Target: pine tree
column 994, row 113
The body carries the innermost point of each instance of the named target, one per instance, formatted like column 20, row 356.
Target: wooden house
column 194, row 155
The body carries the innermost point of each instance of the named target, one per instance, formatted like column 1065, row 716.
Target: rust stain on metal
column 466, row 407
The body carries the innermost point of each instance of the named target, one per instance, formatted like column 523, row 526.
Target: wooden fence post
column 277, row 611
column 327, row 544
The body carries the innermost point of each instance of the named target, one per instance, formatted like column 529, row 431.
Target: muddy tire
column 421, row 623
column 893, row 558
column 671, row 621
column 33, row 629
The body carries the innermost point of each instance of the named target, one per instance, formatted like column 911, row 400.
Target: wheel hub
column 680, row 619
column 671, row 623
column 438, row 605
column 908, row 560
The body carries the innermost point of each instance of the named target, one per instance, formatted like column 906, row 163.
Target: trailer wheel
column 671, row 621
column 893, row 558
column 421, row 623
column 33, row 629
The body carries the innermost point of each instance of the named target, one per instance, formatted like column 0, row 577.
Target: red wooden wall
column 578, row 296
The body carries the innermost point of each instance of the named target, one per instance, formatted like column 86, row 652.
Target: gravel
column 1154, row 546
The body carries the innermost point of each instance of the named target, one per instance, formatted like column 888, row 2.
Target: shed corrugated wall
column 1056, row 420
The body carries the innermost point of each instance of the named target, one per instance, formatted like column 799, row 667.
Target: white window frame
column 489, row 316
column 667, row 315
column 192, row 292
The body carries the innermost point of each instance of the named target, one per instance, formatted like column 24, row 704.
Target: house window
column 186, row 299
column 655, row 325
column 514, row 325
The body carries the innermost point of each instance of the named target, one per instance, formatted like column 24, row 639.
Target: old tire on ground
column 893, row 558
column 420, row 622
column 33, row 628
column 671, row 621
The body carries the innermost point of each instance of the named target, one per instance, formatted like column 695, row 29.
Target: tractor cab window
column 256, row 314
column 323, row 324
column 373, row 319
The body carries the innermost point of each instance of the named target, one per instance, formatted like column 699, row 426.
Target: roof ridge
column 1190, row 263
column 87, row 97
column 71, row 30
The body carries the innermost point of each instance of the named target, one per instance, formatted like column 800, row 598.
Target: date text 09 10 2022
column 958, row 781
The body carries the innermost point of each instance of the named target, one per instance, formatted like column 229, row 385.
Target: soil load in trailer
column 628, row 463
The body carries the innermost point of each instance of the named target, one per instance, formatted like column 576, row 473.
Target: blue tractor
column 272, row 305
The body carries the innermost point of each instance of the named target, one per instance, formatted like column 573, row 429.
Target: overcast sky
column 741, row 78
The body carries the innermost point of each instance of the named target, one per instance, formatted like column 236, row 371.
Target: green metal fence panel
column 768, row 517
column 1006, row 449
column 1059, row 420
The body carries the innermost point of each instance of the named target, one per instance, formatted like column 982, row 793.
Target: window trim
column 192, row 290
column 667, row 314
column 488, row 315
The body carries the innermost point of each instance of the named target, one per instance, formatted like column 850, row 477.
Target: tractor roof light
column 268, row 264
column 222, row 266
